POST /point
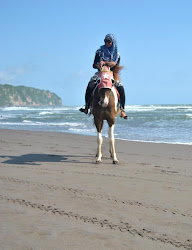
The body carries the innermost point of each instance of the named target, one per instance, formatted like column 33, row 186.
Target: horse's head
column 105, row 84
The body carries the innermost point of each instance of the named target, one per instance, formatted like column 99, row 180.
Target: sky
column 51, row 45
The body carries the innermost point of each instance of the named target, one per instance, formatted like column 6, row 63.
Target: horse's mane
column 116, row 72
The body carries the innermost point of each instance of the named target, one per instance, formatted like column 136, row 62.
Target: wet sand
column 54, row 196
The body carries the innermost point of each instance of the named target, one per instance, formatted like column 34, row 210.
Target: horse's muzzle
column 104, row 103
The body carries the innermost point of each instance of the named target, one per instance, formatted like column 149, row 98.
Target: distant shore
column 54, row 196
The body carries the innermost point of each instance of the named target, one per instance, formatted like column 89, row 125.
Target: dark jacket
column 98, row 59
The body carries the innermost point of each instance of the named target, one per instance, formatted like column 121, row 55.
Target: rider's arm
column 118, row 62
column 96, row 63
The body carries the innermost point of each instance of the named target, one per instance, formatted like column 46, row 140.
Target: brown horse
column 105, row 106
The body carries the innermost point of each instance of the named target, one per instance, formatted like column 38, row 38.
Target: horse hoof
column 115, row 162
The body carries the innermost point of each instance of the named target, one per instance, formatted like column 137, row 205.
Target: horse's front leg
column 99, row 144
column 112, row 144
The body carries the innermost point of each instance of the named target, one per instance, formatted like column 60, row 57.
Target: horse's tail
column 116, row 72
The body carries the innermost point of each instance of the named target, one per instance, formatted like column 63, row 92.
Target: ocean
column 147, row 123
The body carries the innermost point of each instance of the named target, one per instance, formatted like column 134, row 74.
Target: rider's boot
column 123, row 115
column 84, row 109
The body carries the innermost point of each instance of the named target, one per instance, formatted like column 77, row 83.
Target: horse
column 105, row 106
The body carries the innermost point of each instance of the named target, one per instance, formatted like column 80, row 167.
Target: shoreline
column 153, row 142
column 52, row 192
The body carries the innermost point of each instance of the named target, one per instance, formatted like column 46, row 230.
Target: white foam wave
column 80, row 130
column 62, row 108
column 46, row 113
column 27, row 121
column 141, row 108
column 74, row 124
column 15, row 108
column 32, row 123
column 160, row 142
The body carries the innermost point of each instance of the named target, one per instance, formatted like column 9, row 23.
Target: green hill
column 21, row 96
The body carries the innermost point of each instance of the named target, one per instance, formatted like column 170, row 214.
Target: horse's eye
column 113, row 81
column 98, row 80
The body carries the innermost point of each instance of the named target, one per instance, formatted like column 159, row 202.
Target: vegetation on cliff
column 21, row 96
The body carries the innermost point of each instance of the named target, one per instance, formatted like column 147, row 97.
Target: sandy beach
column 54, row 196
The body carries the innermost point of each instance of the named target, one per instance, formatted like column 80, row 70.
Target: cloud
column 76, row 78
column 12, row 73
column 81, row 74
column 6, row 76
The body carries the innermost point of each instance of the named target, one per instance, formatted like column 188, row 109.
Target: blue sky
column 51, row 44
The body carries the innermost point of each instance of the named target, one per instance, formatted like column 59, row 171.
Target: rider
column 106, row 54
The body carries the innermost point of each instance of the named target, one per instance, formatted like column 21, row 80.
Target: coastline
column 52, row 192
column 104, row 136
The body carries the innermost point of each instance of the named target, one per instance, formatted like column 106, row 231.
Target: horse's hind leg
column 112, row 144
column 110, row 148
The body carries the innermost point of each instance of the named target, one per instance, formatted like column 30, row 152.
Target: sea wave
column 158, row 142
column 151, row 123
column 135, row 108
column 62, row 108
column 28, row 122
column 143, row 108
column 87, row 131
column 46, row 113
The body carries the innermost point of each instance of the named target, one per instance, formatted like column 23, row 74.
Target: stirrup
column 123, row 115
column 84, row 110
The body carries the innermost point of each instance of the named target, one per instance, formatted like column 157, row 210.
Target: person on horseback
column 105, row 55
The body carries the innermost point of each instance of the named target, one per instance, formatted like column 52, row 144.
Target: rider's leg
column 89, row 90
column 88, row 93
column 121, row 91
